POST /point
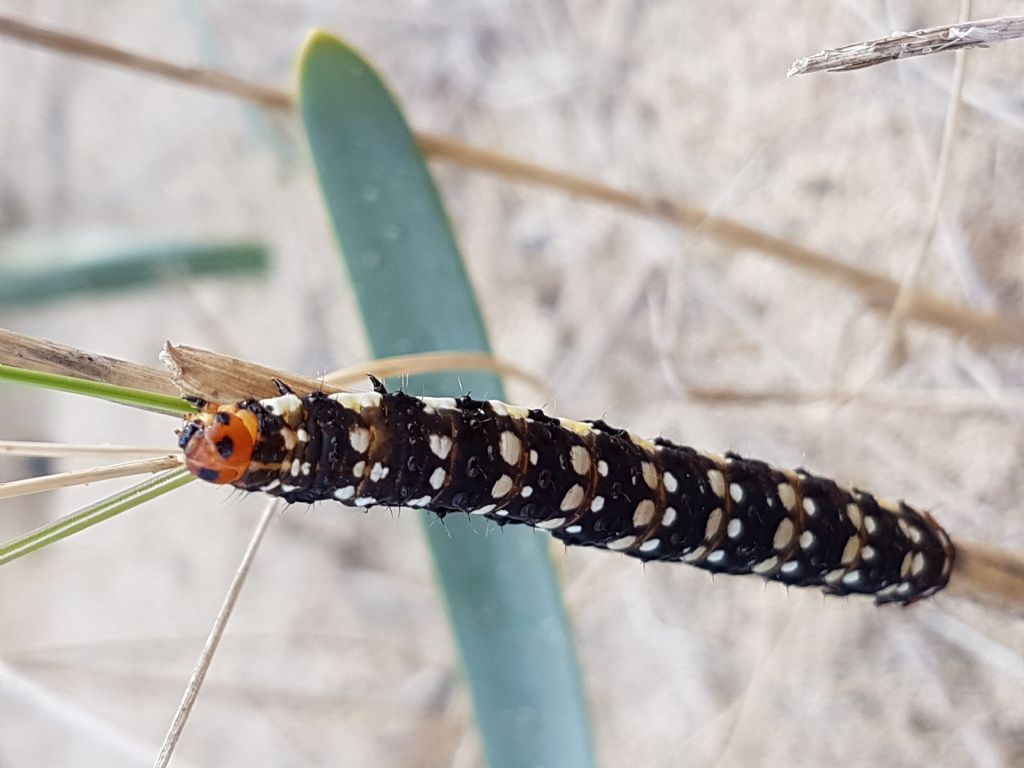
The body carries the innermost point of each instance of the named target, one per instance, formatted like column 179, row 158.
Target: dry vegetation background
column 339, row 653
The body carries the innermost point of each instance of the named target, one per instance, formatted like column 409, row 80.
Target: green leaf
column 502, row 595
column 37, row 271
column 139, row 398
column 94, row 513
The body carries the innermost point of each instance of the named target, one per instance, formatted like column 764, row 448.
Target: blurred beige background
column 339, row 653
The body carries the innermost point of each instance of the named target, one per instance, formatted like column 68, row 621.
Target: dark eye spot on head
column 225, row 446
column 209, row 475
column 222, row 418
column 186, row 434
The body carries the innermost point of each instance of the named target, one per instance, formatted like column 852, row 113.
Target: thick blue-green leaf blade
column 39, row 271
column 502, row 595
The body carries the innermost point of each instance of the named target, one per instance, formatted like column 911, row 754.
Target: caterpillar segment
column 587, row 483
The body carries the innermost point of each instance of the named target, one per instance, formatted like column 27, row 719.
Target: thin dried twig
column 65, row 450
column 431, row 362
column 48, row 357
column 878, row 290
column 224, row 379
column 86, row 476
column 988, row 575
column 905, row 45
column 213, row 639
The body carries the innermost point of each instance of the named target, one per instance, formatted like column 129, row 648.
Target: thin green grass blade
column 33, row 272
column 124, row 395
column 502, row 595
column 94, row 513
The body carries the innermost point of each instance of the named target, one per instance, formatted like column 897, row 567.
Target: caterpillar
column 585, row 482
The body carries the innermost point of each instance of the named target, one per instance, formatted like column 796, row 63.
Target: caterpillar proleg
column 585, row 482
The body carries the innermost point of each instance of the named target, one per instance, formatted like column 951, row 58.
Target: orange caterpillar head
column 219, row 443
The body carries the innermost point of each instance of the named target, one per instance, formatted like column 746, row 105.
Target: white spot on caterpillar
column 904, row 589
column 359, row 439
column 378, row 472
column 810, row 507
column 502, row 513
column 356, row 400
column 620, row 544
column 765, row 566
column 835, row 576
column 302, row 435
column 551, row 524
column 783, row 534
column 868, row 553
column 271, row 485
column 671, row 484
column 285, row 406
column 787, row 496
column 918, row 564
column 295, row 468
column 597, row 504
column 870, row 524
column 642, row 442
column 437, row 478
column 735, row 528
column 888, row 504
column 718, row 556
column 580, row 428
column 580, row 458
column 346, row 493
column 288, row 437
column 670, row 517
column 572, row 499
column 650, row 545
column 306, row 468
column 527, row 491
column 483, row 510
column 912, row 532
column 534, row 457
column 807, row 540
column 365, row 501
column 440, row 445
column 501, row 487
column 285, row 488
column 422, row 501
column 790, row 567
column 851, row 579
column 358, row 468
column 650, row 474
column 717, row 481
column 696, row 555
column 602, row 468
column 736, row 491
column 643, row 514
column 499, row 408
column 574, row 529
column 440, row 402
column 714, row 523
column 850, row 550
column 905, row 566
column 855, row 515
column 510, row 446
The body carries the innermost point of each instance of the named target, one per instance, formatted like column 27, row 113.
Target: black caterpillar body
column 585, row 482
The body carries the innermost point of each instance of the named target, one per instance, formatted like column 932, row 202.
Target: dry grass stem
column 905, row 45
column 223, row 379
column 898, row 315
column 213, row 639
column 86, row 476
column 955, row 402
column 76, row 45
column 63, row 450
column 430, row 362
column 48, row 357
column 989, row 576
column 879, row 290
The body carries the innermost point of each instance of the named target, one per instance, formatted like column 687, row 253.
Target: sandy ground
column 339, row 653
